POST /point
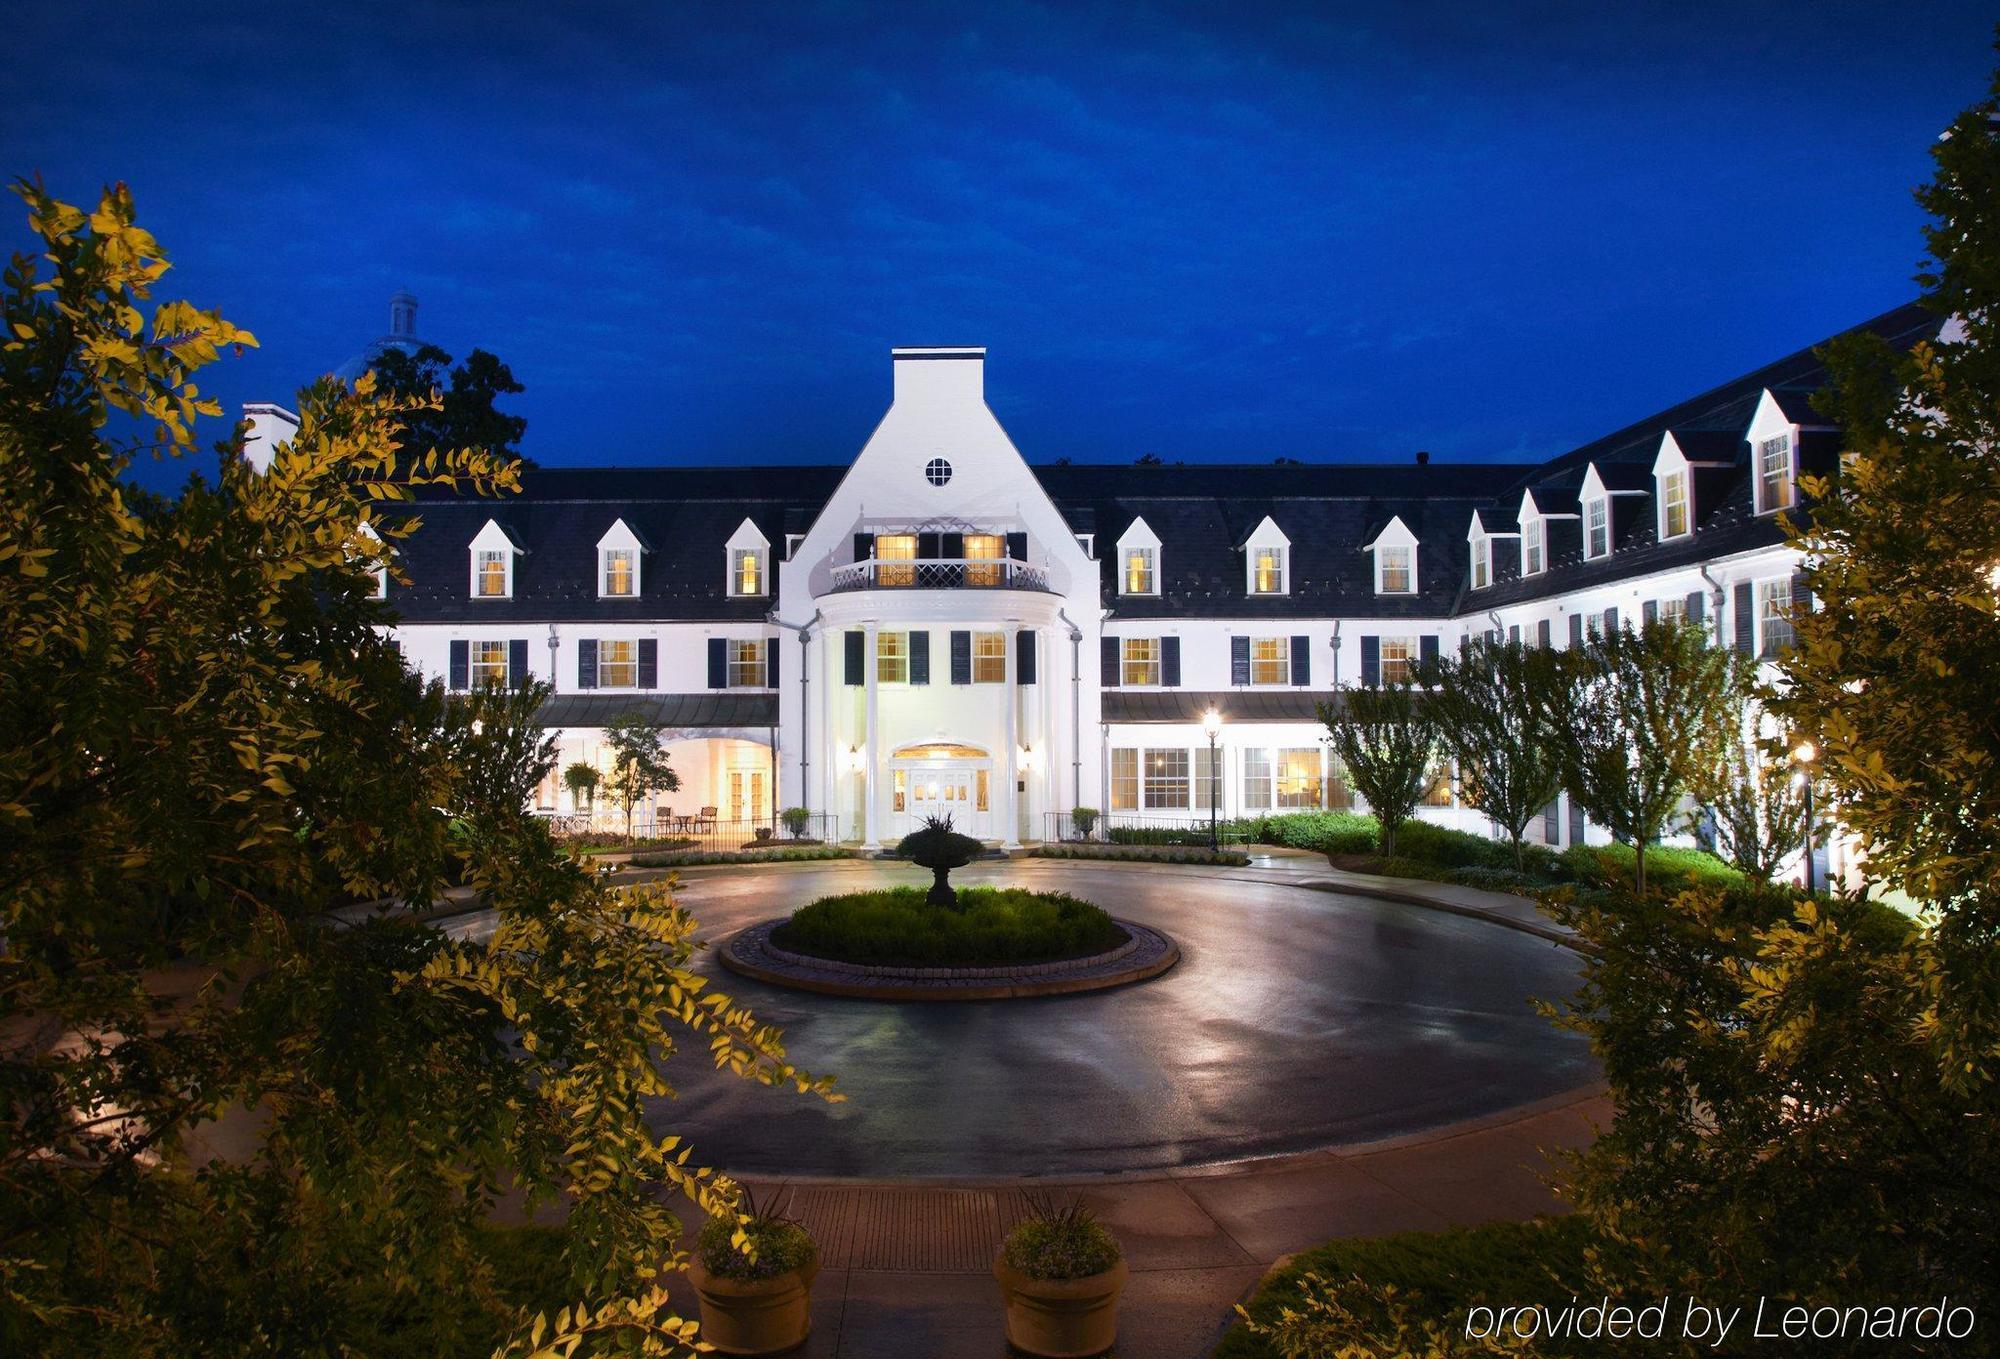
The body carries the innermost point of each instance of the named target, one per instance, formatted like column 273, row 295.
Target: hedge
column 1157, row 854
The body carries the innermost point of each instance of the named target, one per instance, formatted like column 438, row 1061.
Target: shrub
column 1154, row 854
column 796, row 819
column 780, row 1245
column 1667, row 867
column 1326, row 832
column 992, row 927
column 1083, row 820
column 692, row 858
column 1055, row 1243
column 1493, row 879
column 1159, row 835
column 582, row 842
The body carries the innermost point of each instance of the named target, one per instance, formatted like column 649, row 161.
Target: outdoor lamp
column 1027, row 760
column 1211, row 724
column 1803, row 754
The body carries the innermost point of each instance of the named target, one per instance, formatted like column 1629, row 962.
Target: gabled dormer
column 748, row 562
column 1678, row 470
column 1773, row 437
column 1395, row 550
column 619, row 562
column 1602, row 519
column 495, row 554
column 1487, row 526
column 373, row 547
column 1139, row 560
column 1267, row 560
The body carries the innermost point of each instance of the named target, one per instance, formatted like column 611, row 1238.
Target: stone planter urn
column 755, row 1316
column 1061, row 1318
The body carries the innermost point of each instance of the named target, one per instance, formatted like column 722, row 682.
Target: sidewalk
column 906, row 1267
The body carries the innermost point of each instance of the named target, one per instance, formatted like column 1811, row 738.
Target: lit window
column 892, row 658
column 1774, row 474
column 617, row 665
column 1267, row 572
column 1141, row 661
column 1139, row 578
column 900, row 791
column 981, row 789
column 746, row 662
column 896, row 547
column 980, row 548
column 1124, row 780
column 989, row 658
column 1482, row 562
column 1166, row 778
column 1270, row 660
column 620, row 573
column 1299, row 778
column 1394, row 564
column 746, row 571
column 1531, row 547
column 1256, row 779
column 1672, row 611
column 489, row 663
column 492, row 573
column 1673, row 504
column 1597, row 527
column 1208, row 777
column 1774, row 616
column 1438, row 792
column 1399, row 660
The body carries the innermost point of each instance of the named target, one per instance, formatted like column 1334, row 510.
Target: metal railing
column 1137, row 828
column 695, row 830
column 940, row 573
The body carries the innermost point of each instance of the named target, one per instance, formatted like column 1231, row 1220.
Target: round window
column 937, row 471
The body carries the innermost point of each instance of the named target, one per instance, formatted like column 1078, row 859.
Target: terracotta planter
column 755, row 1316
column 1061, row 1318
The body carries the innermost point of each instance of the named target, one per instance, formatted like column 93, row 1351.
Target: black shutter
column 586, row 663
column 920, row 657
column 1746, row 619
column 770, row 664
column 1427, row 650
column 961, row 657
column 951, row 546
column 1513, row 635
column 517, row 662
column 1552, row 822
column 856, row 653
column 1170, row 662
column 1650, row 611
column 649, row 662
column 1576, row 629
column 1544, row 633
column 1107, row 661
column 718, row 663
column 1801, row 593
column 1575, row 823
column 1302, row 662
column 1024, row 656
column 1371, row 661
column 461, row 665
column 930, row 546
column 1239, row 660
column 1697, row 606
column 1610, row 620
column 1017, row 546
column 864, row 546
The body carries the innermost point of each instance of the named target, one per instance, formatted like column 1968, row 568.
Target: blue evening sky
column 1229, row 231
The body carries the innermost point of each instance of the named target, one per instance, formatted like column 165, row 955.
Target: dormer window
column 1534, row 547
column 1774, row 473
column 1140, row 577
column 493, row 554
column 621, row 572
column 748, row 560
column 1596, row 527
column 1267, row 571
column 1482, row 562
column 1395, row 549
column 1267, row 560
column 1674, row 504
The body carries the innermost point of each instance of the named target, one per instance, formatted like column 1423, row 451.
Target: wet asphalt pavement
column 1296, row 1019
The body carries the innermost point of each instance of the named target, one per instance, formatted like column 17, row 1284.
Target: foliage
column 796, row 820
column 1153, row 854
column 1389, row 742
column 583, row 842
column 503, row 751
column 1637, row 708
column 992, row 927
column 694, row 858
column 759, row 1246
column 581, row 779
column 207, row 743
column 465, row 413
column 1056, row 1242
column 1487, row 703
column 1379, row 1295
column 1162, row 835
column 1083, row 820
column 1756, row 805
column 638, row 762
column 1325, row 832
column 1670, row 867
column 936, row 846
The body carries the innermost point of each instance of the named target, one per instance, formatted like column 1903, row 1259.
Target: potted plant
column 796, row 820
column 1083, row 820
column 940, row 849
column 1060, row 1273
column 581, row 780
column 759, row 1301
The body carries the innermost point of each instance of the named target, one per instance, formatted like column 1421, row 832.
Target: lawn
column 992, row 927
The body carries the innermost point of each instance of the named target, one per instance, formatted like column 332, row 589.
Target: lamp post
column 1803, row 755
column 1211, row 723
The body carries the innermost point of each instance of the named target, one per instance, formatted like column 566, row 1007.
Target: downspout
column 804, row 630
column 1335, row 644
column 1716, row 598
column 1075, row 711
column 1493, row 616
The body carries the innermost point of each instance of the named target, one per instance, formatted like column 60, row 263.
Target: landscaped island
column 990, row 927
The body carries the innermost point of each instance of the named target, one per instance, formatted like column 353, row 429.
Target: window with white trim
column 1207, row 777
column 896, row 547
column 1597, row 527
column 1270, row 660
column 1257, row 780
column 892, row 658
column 1399, row 660
column 1166, row 780
column 989, row 658
column 490, row 572
column 1124, row 780
column 1673, row 504
column 1299, row 782
column 1774, row 474
column 1139, row 660
column 1141, row 575
column 487, row 663
column 1393, row 569
column 1534, row 555
column 1267, row 571
column 617, row 664
column 746, row 662
column 980, row 548
column 620, row 576
column 1482, row 562
column 746, row 572
column 1671, row 611
column 1774, row 616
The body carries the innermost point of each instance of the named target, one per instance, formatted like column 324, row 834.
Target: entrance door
column 960, row 792
column 746, row 795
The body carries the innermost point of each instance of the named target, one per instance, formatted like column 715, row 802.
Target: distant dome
column 402, row 335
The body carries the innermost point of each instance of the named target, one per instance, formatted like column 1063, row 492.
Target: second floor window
column 1139, row 575
column 1673, row 611
column 1482, row 563
column 492, row 573
column 620, row 577
column 1774, row 616
column 1774, row 474
column 1531, row 547
column 617, row 664
column 746, row 572
column 746, row 663
column 488, row 663
column 1673, row 504
column 1141, row 661
column 1597, row 527
column 891, row 548
column 1267, row 571
column 1399, row 660
column 1270, row 660
column 1395, row 560
column 989, row 658
column 892, row 657
column 982, row 548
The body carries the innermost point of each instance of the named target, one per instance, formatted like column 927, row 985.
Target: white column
column 1010, row 802
column 870, row 750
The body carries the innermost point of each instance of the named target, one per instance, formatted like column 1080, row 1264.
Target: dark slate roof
column 708, row 709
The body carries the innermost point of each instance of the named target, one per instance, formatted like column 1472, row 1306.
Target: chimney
column 943, row 374
column 269, row 426
column 1423, row 457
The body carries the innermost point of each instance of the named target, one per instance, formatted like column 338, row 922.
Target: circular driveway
column 1297, row 1019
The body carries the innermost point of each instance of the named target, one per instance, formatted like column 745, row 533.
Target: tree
column 1389, row 741
column 1754, row 804
column 581, row 779
column 1633, row 710
column 1488, row 707
column 504, row 750
column 638, row 762
column 936, row 846
column 467, row 414
column 206, row 743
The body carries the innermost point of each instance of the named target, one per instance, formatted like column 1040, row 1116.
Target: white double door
column 960, row 791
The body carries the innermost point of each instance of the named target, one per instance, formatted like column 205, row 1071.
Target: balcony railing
column 940, row 573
